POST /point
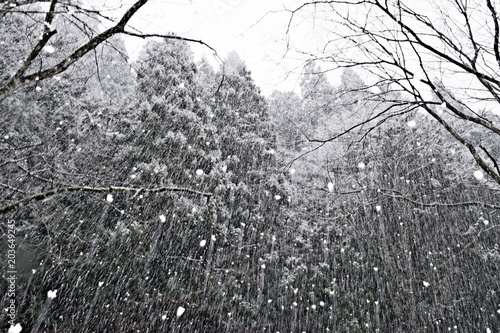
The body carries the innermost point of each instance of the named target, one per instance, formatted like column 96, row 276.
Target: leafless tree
column 441, row 57
column 24, row 76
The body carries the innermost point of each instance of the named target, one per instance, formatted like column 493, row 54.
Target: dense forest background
column 385, row 229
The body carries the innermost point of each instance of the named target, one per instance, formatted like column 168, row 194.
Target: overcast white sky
column 255, row 29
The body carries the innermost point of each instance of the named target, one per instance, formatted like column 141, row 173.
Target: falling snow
column 48, row 49
column 17, row 328
column 51, row 294
column 411, row 124
column 302, row 249
column 180, row 311
column 478, row 174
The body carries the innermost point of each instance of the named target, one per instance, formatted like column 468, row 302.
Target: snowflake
column 48, row 49
column 180, row 311
column 52, row 294
column 15, row 328
column 478, row 174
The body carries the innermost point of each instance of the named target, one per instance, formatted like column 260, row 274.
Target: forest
column 171, row 195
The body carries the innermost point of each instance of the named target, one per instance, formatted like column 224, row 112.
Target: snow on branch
column 44, row 195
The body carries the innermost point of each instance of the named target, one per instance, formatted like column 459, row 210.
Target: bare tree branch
column 44, row 195
column 397, row 194
column 491, row 158
column 20, row 80
column 496, row 37
column 397, row 44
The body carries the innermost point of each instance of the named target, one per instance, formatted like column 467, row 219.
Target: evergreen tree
column 247, row 138
column 176, row 136
column 286, row 112
column 241, row 114
column 317, row 95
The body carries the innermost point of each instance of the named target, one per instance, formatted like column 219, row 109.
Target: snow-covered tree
column 176, row 136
